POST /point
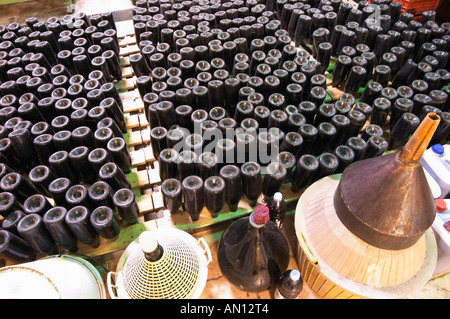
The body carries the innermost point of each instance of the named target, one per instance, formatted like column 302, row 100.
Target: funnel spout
column 414, row 149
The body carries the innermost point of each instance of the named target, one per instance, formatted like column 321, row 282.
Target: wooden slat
column 132, row 121
column 138, row 158
column 125, row 85
column 145, row 203
column 353, row 265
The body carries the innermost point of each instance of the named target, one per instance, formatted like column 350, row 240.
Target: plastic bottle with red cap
column 441, row 224
column 253, row 252
column 443, row 213
column 441, row 205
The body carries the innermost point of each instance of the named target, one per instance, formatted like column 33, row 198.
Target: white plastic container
column 434, row 186
column 436, row 161
column 53, row 277
column 442, row 235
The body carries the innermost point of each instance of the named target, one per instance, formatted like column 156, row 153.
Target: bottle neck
column 253, row 224
column 154, row 255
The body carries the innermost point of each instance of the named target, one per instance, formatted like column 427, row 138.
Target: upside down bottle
column 253, row 252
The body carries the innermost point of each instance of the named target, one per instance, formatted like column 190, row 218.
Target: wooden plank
column 135, row 138
column 127, row 72
column 145, row 203
column 122, row 41
column 132, row 121
column 128, row 50
column 157, row 197
column 145, row 133
column 153, row 174
column 148, row 155
column 125, row 85
column 125, row 61
column 138, row 158
column 133, row 106
column 131, row 40
column 125, row 51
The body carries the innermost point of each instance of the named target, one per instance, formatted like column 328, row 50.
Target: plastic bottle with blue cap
column 438, row 149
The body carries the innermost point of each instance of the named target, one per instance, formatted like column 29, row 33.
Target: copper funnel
column 386, row 200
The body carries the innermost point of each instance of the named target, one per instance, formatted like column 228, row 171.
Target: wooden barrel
column 335, row 263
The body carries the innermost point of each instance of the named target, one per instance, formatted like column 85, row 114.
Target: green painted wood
column 2, row 2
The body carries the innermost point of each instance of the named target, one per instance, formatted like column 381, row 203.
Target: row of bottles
column 40, row 227
column 64, row 158
column 61, row 112
column 65, row 151
column 153, row 98
column 78, row 42
column 443, row 75
column 230, row 185
column 166, row 108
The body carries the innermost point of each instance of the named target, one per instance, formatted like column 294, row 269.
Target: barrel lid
column 25, row 283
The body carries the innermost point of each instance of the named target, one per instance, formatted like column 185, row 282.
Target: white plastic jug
column 434, row 186
column 439, row 227
column 436, row 161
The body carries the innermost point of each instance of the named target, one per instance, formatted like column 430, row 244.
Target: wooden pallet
column 144, row 176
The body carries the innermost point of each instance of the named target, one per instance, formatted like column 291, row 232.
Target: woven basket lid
column 179, row 273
